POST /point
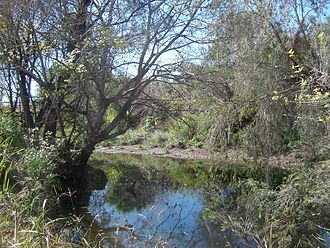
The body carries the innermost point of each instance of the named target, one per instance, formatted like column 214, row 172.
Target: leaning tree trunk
column 83, row 156
column 75, row 171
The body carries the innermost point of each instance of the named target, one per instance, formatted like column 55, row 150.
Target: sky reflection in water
column 173, row 217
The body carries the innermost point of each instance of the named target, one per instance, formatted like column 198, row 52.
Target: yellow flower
column 291, row 53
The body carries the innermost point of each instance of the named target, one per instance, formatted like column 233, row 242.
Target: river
column 159, row 202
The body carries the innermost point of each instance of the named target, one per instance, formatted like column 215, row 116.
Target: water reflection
column 157, row 203
column 150, row 206
column 172, row 218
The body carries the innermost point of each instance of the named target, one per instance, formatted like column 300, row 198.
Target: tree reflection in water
column 129, row 189
column 151, row 202
column 157, row 202
column 172, row 217
column 142, row 210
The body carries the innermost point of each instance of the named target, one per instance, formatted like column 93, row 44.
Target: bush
column 289, row 216
column 131, row 137
column 9, row 132
column 28, row 201
column 157, row 138
column 191, row 131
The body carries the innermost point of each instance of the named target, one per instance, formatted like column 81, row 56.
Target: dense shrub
column 28, row 198
column 9, row 131
column 189, row 131
column 290, row 216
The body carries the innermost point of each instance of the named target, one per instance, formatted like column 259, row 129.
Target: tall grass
column 29, row 200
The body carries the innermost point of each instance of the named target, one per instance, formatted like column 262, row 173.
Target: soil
column 190, row 153
column 288, row 161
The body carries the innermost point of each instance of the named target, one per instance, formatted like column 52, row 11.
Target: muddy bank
column 190, row 153
column 288, row 161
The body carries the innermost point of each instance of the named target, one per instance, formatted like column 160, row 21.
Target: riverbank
column 292, row 160
column 190, row 153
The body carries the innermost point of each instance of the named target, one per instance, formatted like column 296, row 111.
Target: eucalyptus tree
column 91, row 61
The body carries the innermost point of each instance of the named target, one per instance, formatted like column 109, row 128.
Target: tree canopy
column 85, row 71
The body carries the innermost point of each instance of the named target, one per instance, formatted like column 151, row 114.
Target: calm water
column 172, row 218
column 156, row 202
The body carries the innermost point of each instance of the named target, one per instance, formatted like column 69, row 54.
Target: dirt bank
column 190, row 153
column 288, row 161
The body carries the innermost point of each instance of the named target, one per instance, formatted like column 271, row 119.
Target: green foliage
column 270, row 132
column 291, row 138
column 25, row 221
column 321, row 151
column 9, row 131
column 110, row 115
column 10, row 138
column 190, row 131
column 27, row 198
column 179, row 134
column 157, row 138
column 131, row 137
column 289, row 216
column 150, row 123
column 37, row 164
column 247, row 113
column 4, row 171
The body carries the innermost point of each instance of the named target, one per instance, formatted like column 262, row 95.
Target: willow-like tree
column 267, row 74
column 91, row 61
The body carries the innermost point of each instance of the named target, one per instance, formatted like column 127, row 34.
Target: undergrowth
column 292, row 215
column 29, row 200
column 189, row 131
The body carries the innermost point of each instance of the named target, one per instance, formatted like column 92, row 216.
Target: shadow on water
column 158, row 202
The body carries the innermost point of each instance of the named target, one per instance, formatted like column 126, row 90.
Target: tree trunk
column 25, row 100
column 84, row 155
column 50, row 119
